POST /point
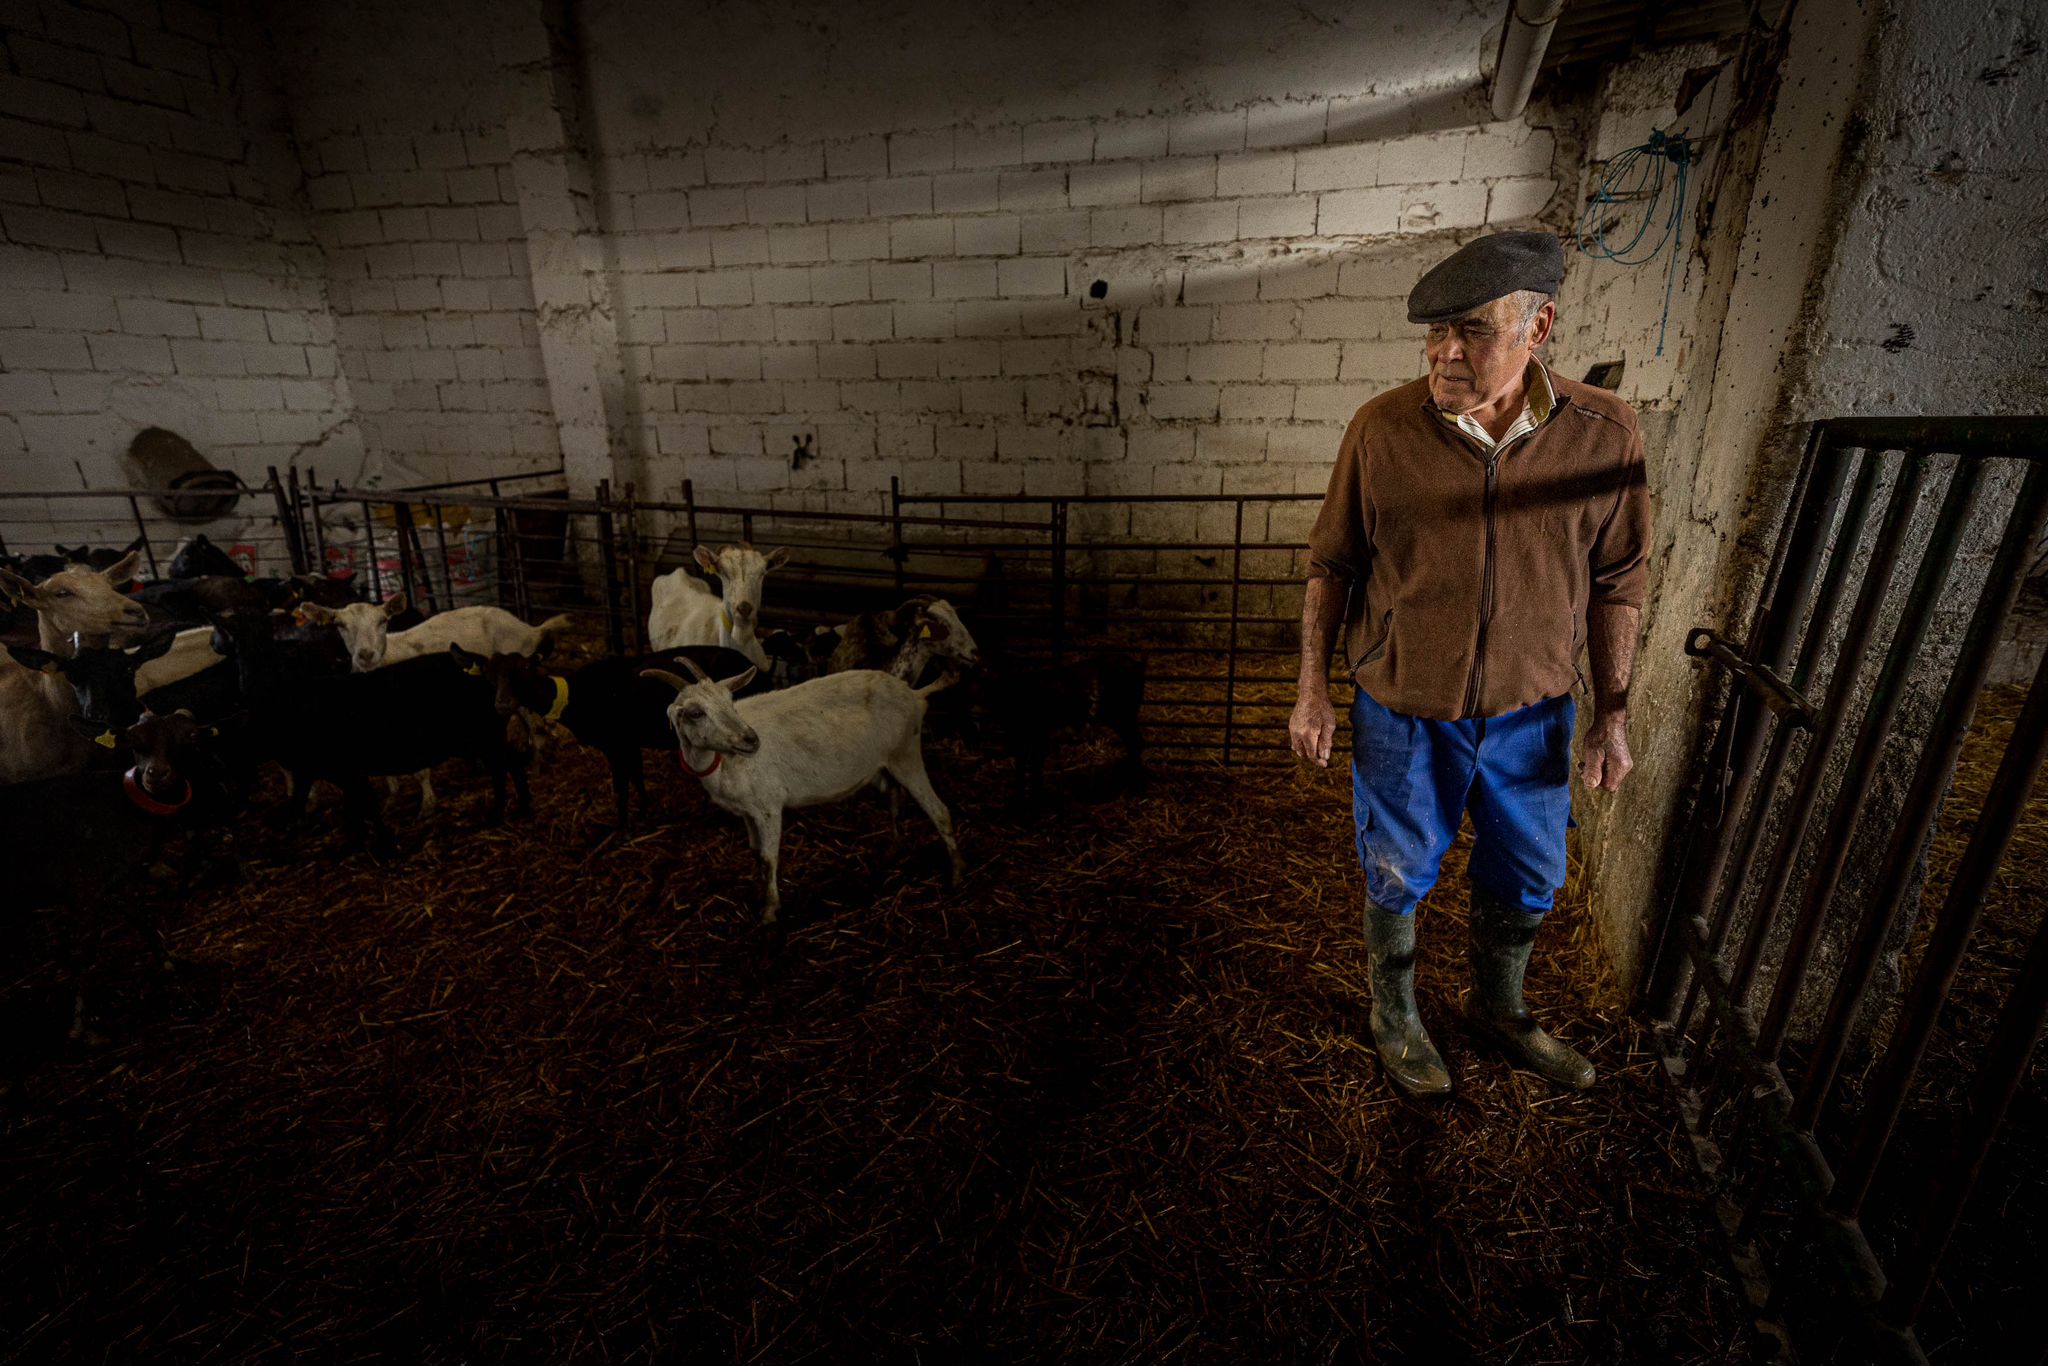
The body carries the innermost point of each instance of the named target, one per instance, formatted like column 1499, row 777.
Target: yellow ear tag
column 561, row 702
column 105, row 739
column 473, row 671
column 725, row 617
column 924, row 632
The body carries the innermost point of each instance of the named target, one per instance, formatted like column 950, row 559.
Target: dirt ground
column 545, row 1092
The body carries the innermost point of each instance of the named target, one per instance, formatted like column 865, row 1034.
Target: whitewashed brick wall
column 920, row 302
column 156, row 266
column 399, row 113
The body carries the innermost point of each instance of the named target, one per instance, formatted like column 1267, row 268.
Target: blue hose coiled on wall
column 1642, row 173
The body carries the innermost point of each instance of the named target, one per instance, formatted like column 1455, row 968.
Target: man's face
column 1476, row 359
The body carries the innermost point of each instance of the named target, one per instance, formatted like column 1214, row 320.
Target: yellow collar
column 561, row 702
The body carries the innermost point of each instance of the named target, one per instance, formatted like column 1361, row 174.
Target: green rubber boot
column 1502, row 936
column 1404, row 1046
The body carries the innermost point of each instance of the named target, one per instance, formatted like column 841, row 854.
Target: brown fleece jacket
column 1470, row 577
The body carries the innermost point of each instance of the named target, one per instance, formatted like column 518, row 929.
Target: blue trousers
column 1413, row 780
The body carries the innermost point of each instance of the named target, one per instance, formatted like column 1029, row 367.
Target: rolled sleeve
column 1621, row 552
column 1339, row 544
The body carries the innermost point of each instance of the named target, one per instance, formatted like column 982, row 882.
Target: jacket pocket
column 1578, row 644
column 1379, row 646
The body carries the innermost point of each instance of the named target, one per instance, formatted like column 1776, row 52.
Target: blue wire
column 1642, row 172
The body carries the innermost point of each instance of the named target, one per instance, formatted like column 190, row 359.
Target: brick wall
column 399, row 115
column 156, row 265
column 907, row 283
column 920, row 302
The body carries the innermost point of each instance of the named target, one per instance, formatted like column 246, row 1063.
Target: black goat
column 395, row 720
column 605, row 704
column 36, row 568
column 1027, row 709
column 199, row 558
column 91, row 832
column 104, row 680
column 202, row 600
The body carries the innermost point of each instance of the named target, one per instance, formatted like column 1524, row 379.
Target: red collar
column 133, row 787
column 717, row 758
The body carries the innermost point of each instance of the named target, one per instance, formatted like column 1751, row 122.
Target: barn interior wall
column 660, row 243
column 888, row 253
column 158, row 264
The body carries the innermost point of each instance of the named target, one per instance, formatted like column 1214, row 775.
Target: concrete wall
column 1930, row 302
column 1732, row 445
column 1873, row 199
column 158, row 266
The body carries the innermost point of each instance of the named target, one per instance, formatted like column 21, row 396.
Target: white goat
column 366, row 631
column 684, row 611
column 366, row 634
column 191, row 650
column 815, row 743
column 36, row 739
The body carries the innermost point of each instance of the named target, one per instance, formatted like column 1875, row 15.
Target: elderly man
column 1482, row 524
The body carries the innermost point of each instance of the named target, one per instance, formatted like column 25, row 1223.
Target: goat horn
column 692, row 666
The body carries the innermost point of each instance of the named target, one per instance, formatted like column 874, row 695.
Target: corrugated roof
column 1603, row 32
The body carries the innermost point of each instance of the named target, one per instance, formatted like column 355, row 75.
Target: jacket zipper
column 1485, row 589
column 1492, row 459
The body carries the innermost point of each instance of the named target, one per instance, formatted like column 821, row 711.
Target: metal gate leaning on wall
column 1206, row 588
column 1757, row 1060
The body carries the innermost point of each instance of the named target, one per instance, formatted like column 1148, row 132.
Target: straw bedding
column 546, row 1092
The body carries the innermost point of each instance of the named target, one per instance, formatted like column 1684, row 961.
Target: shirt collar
column 1542, row 398
column 1539, row 400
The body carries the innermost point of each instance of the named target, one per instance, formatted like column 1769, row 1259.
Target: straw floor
column 546, row 1093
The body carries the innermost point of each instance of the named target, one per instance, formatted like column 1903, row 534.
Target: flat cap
column 1481, row 271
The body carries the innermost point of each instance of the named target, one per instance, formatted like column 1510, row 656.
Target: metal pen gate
column 1206, row 588
column 1793, row 1168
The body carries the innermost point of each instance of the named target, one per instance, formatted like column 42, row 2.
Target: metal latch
column 1777, row 694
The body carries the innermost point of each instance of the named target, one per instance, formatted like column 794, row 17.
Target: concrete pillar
column 1728, row 450
column 572, row 288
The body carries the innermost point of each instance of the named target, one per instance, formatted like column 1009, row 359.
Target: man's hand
column 1313, row 727
column 1605, row 761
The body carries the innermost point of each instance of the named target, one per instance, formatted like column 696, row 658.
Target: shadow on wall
column 1436, row 109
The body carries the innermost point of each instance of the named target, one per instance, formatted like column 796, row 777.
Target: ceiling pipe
column 1522, row 46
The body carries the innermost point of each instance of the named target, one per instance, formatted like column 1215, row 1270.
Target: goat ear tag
column 105, row 739
column 473, row 671
column 924, row 632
